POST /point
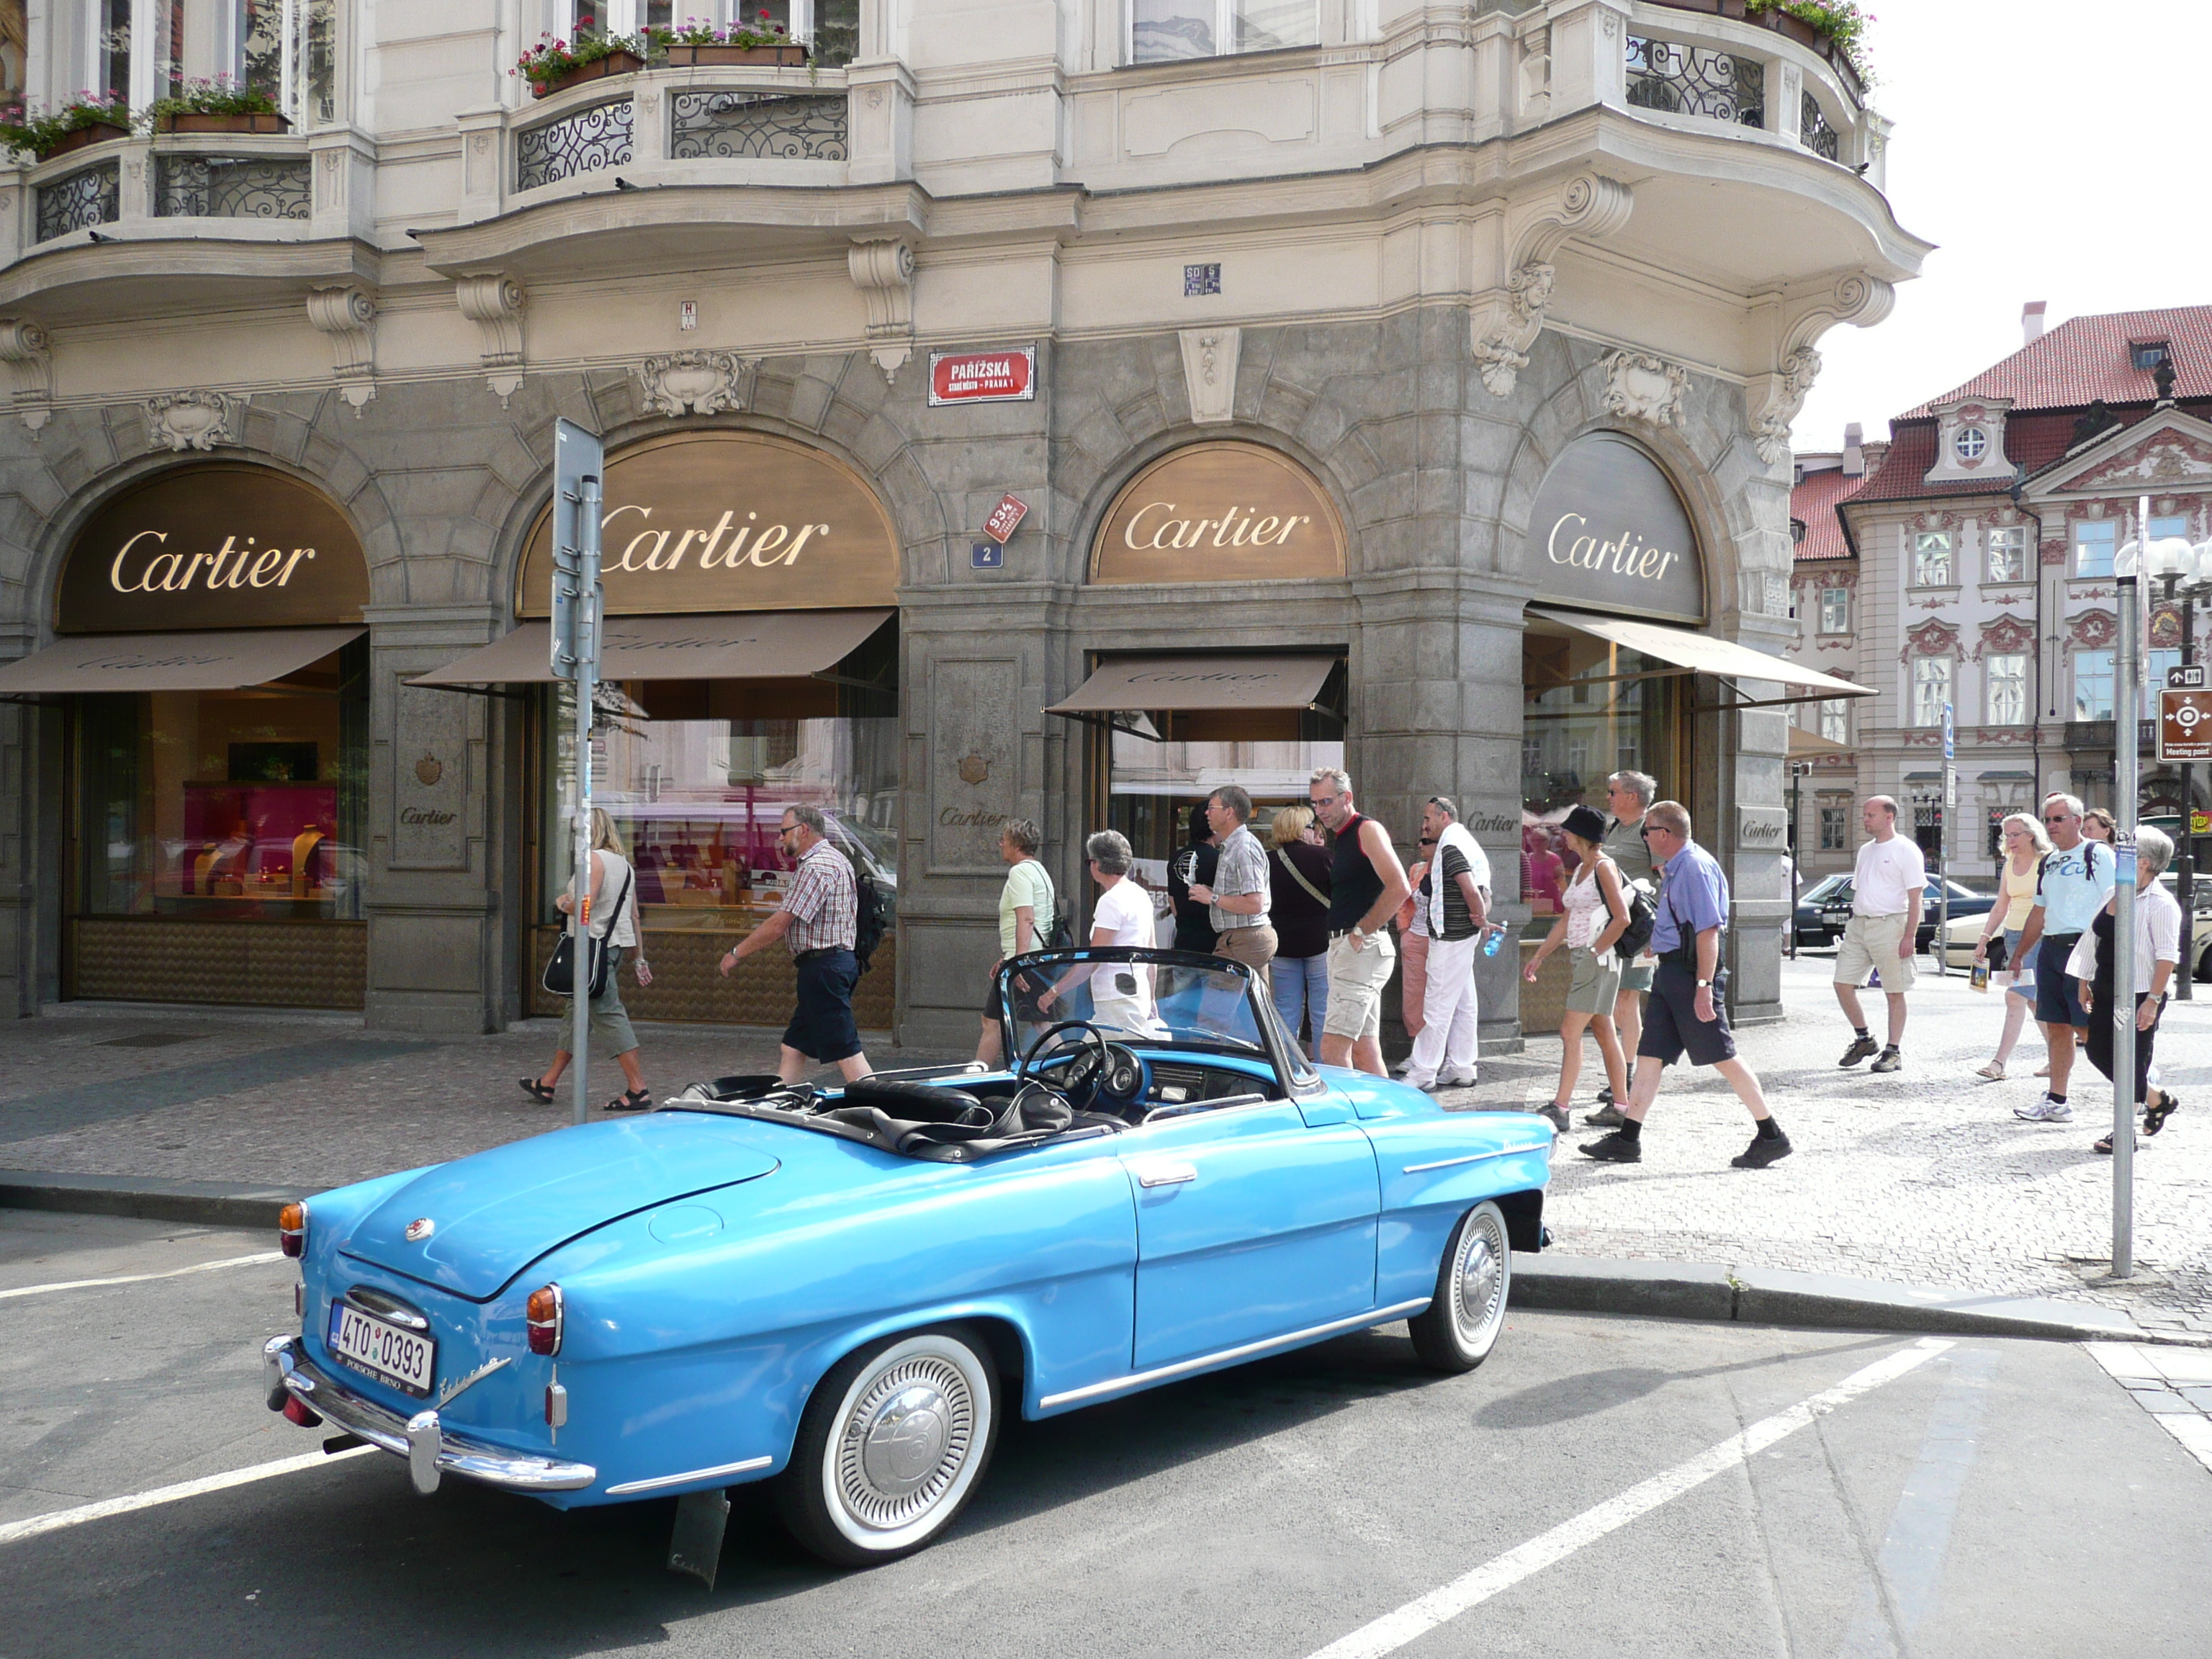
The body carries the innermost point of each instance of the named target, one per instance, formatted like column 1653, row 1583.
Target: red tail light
column 292, row 1230
column 301, row 1413
column 544, row 1311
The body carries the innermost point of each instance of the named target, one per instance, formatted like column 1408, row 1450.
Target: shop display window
column 697, row 774
column 1589, row 709
column 1165, row 762
column 242, row 805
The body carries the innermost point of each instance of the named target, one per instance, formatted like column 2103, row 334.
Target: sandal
column 1994, row 1071
column 2155, row 1117
column 636, row 1100
column 2105, row 1147
column 537, row 1092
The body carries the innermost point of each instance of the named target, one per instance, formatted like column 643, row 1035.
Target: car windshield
column 1162, row 999
column 1823, row 888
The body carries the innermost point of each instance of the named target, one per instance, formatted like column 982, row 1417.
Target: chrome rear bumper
column 430, row 1449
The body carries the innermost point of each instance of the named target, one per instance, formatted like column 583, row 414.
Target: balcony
column 2096, row 738
column 177, row 207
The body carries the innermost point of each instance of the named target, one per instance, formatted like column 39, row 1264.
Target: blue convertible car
column 844, row 1291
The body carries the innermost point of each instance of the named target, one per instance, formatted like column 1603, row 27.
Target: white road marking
column 140, row 1279
column 1417, row 1617
column 15, row 1530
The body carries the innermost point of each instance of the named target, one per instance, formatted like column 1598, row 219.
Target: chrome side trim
column 449, row 1392
column 429, row 1447
column 1472, row 1158
column 1162, row 1172
column 1229, row 1356
column 661, row 1483
column 385, row 1307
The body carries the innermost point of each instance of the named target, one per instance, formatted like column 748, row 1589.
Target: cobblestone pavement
column 2172, row 1384
column 1923, row 1176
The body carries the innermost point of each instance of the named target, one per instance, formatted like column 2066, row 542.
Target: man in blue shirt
column 2071, row 885
column 1688, row 1012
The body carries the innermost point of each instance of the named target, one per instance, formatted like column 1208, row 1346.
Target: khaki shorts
column 1870, row 944
column 1356, row 979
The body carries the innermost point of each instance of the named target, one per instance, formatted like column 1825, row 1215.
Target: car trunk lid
column 490, row 1216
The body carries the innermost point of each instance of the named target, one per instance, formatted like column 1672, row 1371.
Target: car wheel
column 891, row 1445
column 1460, row 1325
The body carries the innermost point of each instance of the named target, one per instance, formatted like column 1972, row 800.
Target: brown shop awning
column 1707, row 653
column 1184, row 684
column 1811, row 745
column 218, row 661
column 759, row 644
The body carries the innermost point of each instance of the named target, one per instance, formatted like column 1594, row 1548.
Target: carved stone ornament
column 1506, row 325
column 2093, row 630
column 975, row 769
column 28, row 353
column 348, row 315
column 701, row 382
column 883, row 272
column 2005, row 634
column 429, row 769
column 1931, row 639
column 1209, row 371
column 1641, row 387
column 1774, row 401
column 494, row 301
column 191, row 420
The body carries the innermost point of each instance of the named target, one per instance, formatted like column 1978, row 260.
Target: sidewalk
column 1920, row 1178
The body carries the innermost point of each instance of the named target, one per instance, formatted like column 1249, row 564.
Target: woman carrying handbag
column 613, row 913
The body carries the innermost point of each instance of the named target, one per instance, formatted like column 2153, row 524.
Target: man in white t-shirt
column 1121, row 993
column 1884, row 932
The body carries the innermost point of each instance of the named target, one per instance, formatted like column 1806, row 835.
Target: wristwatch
column 1704, row 984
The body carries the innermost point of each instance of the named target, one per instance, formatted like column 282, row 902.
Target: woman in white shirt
column 613, row 913
column 2158, row 949
column 1121, row 993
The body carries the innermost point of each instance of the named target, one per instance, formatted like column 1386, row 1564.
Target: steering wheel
column 1084, row 1072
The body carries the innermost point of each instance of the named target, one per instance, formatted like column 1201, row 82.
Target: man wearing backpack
column 2071, row 885
column 820, row 919
column 1025, row 922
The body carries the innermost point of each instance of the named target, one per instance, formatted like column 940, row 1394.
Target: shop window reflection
column 1589, row 709
column 226, row 805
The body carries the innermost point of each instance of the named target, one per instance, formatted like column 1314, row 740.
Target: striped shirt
column 823, row 902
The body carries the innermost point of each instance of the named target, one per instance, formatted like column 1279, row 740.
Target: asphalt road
column 1988, row 1497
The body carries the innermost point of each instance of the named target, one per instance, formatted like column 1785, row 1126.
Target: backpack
column 1636, row 939
column 873, row 916
column 1061, row 934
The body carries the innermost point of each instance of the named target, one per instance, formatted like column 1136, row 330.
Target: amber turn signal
column 292, row 1230
column 543, row 1311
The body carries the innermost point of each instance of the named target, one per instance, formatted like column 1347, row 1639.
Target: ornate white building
column 1969, row 562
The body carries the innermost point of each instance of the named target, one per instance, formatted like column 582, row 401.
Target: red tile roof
column 2086, row 358
column 2031, row 441
column 1813, row 504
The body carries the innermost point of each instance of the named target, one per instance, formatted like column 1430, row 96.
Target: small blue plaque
column 986, row 556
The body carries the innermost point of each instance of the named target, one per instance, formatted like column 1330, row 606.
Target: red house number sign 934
column 1004, row 517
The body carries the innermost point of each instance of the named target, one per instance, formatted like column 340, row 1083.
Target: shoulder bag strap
column 1283, row 858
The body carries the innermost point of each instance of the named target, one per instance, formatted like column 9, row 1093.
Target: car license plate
column 382, row 1349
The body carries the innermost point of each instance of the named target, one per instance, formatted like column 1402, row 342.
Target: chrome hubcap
column 1481, row 1279
column 905, row 1440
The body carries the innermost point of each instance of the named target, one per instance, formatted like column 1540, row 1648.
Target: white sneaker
column 2045, row 1110
column 1459, row 1080
column 1415, row 1079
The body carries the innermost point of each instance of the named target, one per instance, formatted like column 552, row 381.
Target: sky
column 2055, row 151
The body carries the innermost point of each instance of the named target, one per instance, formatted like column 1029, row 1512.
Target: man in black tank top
column 1368, row 886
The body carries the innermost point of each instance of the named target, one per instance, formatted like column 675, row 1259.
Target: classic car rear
column 844, row 1290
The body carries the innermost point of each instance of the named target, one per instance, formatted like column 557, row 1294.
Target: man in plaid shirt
column 820, row 919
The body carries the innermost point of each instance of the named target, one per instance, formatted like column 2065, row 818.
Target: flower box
column 794, row 56
column 615, row 63
column 208, row 121
column 98, row 132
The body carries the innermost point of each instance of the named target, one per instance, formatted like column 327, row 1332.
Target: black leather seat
column 911, row 1101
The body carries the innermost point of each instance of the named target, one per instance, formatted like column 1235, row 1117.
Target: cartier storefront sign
column 1609, row 533
column 216, row 546
column 729, row 521
column 1219, row 512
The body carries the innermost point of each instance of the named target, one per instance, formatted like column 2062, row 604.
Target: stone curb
column 197, row 1203
column 1570, row 1283
column 1773, row 1296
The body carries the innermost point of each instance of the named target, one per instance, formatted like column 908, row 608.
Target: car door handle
column 1164, row 1175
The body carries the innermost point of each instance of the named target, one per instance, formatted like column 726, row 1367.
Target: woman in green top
column 1025, row 912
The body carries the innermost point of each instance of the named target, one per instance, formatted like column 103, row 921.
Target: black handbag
column 560, row 976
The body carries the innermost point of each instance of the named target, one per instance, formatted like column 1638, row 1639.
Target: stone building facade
column 1974, row 556
column 1413, row 263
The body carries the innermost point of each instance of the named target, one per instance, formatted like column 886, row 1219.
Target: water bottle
column 1496, row 937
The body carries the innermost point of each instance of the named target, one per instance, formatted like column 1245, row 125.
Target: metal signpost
column 579, row 465
column 2127, row 710
column 1942, row 843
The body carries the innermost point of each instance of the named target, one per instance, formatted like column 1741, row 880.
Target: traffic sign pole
column 579, row 464
column 1943, row 847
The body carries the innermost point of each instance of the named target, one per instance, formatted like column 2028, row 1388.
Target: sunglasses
column 1428, row 841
